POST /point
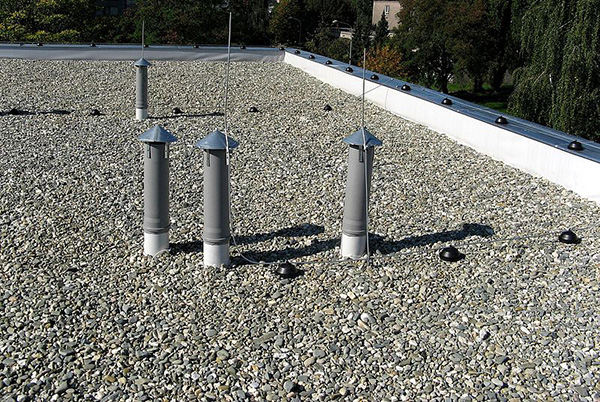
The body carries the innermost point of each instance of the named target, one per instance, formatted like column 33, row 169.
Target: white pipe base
column 156, row 243
column 216, row 255
column 353, row 247
column 141, row 114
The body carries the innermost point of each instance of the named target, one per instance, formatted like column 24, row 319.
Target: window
column 387, row 10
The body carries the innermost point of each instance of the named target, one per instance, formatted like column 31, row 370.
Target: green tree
column 559, row 85
column 325, row 11
column 576, row 106
column 386, row 60
column 504, row 19
column 470, row 42
column 381, row 31
column 286, row 22
column 180, row 21
column 362, row 8
column 361, row 38
column 440, row 38
column 250, row 20
column 326, row 42
column 47, row 20
column 425, row 37
column 546, row 29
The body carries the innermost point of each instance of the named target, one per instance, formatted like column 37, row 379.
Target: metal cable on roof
column 548, row 237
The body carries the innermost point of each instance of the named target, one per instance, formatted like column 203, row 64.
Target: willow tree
column 559, row 84
column 576, row 106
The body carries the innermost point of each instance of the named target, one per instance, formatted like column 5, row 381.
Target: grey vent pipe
column 141, row 89
column 156, row 189
column 354, row 227
column 216, row 198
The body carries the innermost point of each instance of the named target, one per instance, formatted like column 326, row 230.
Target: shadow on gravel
column 18, row 112
column 306, row 229
column 294, row 231
column 468, row 230
column 176, row 116
column 186, row 247
column 287, row 253
column 378, row 243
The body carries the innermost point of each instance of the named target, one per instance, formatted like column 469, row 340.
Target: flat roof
column 85, row 313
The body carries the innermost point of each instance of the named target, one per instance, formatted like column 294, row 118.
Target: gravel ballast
column 85, row 316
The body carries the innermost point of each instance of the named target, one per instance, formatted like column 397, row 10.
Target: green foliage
column 441, row 38
column 425, row 37
column 326, row 11
column 576, row 102
column 381, row 31
column 46, row 20
column 559, row 85
column 13, row 26
column 286, row 24
column 180, row 22
column 326, row 43
column 504, row 23
column 250, row 20
column 386, row 60
column 361, row 38
column 362, row 8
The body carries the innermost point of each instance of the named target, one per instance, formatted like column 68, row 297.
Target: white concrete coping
column 533, row 148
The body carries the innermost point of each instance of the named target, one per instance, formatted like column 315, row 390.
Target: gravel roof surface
column 84, row 315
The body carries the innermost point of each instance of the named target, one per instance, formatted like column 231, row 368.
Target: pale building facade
column 389, row 8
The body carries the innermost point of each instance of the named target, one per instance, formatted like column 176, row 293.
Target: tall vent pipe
column 156, row 189
column 216, row 233
column 356, row 204
column 141, row 89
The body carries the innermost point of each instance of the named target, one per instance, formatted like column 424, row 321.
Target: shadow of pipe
column 468, row 230
column 18, row 112
column 197, row 115
column 306, row 229
column 186, row 247
column 287, row 253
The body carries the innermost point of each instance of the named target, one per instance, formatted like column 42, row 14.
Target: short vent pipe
column 355, row 223
column 156, row 189
column 216, row 234
column 141, row 89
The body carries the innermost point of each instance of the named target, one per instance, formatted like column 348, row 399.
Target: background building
column 389, row 8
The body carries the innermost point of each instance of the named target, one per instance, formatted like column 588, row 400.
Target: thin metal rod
column 363, row 88
column 365, row 159
column 350, row 55
column 143, row 28
column 226, row 112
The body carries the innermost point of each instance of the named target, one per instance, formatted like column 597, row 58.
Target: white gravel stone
column 83, row 312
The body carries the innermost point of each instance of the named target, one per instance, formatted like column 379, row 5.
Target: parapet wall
column 133, row 52
column 538, row 150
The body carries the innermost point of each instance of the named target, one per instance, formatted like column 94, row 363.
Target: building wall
column 391, row 8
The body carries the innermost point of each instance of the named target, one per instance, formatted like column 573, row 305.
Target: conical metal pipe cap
column 142, row 63
column 356, row 138
column 157, row 134
column 216, row 140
